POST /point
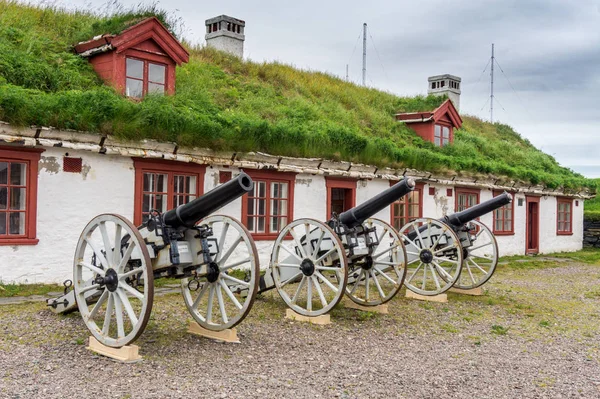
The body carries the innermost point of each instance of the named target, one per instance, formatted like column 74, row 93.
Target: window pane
column 17, row 198
column 445, row 141
column 414, row 211
column 262, row 188
column 156, row 73
column 147, row 185
column 3, row 172
column 2, row 223
column 3, row 197
column 437, row 141
column 251, row 207
column 154, row 88
column 561, row 226
column 498, row 225
column 191, row 185
column 567, row 226
column 508, row 214
column 438, row 131
column 17, row 223
column 133, row 88
column 251, row 224
column 135, row 68
column 262, row 207
column 147, row 203
column 261, row 225
column 17, row 174
column 507, row 226
column 161, row 183
column 161, row 203
column 446, row 132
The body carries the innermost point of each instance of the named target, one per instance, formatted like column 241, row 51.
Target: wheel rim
column 221, row 298
column 376, row 279
column 114, row 289
column 310, row 279
column 481, row 258
column 434, row 256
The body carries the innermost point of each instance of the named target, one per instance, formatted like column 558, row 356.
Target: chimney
column 445, row 84
column 226, row 34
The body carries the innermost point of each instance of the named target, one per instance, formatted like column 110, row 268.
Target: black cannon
column 116, row 263
column 314, row 263
column 454, row 251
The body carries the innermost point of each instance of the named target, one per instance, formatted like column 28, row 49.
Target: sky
column 546, row 75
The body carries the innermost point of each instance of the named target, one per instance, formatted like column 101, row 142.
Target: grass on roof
column 591, row 210
column 227, row 104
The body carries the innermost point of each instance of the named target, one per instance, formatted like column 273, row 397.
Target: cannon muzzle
column 357, row 215
column 189, row 214
column 459, row 218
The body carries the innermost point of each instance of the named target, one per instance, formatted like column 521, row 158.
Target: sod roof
column 224, row 103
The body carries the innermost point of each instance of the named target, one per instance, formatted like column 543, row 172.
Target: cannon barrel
column 459, row 218
column 357, row 215
column 187, row 215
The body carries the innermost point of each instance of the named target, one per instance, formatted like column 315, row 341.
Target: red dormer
column 436, row 126
column 139, row 60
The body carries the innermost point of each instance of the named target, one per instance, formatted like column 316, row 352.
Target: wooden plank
column 442, row 298
column 473, row 291
column 125, row 354
column 228, row 335
column 320, row 320
column 383, row 309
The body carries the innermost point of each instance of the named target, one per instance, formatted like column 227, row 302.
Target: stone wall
column 591, row 234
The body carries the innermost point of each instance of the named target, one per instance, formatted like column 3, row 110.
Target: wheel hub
column 426, row 256
column 111, row 280
column 307, row 267
column 213, row 272
column 368, row 263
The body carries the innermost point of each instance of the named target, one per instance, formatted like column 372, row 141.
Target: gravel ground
column 530, row 336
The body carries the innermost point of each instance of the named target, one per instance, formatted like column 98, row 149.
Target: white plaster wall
column 367, row 189
column 66, row 203
column 549, row 240
column 438, row 205
column 229, row 44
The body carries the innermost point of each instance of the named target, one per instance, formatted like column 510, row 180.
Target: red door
column 533, row 225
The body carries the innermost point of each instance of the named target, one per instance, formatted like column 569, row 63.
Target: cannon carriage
column 116, row 263
column 455, row 251
column 313, row 264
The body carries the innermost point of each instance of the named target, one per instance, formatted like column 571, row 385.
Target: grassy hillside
column 592, row 207
column 228, row 104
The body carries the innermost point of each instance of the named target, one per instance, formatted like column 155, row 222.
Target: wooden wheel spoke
column 230, row 294
column 290, row 280
column 200, row 295
column 294, row 266
column 117, row 249
column 235, row 280
column 126, row 256
column 470, row 272
column 90, row 288
column 230, row 251
column 414, row 273
column 309, row 295
column 99, row 304
column 377, row 285
column 119, row 316
column 221, row 241
column 445, row 260
column 477, row 266
column 93, row 268
column 108, row 314
column 107, row 247
column 289, row 251
column 131, row 291
column 382, row 274
column 131, row 273
column 327, row 268
column 235, row 264
column 211, row 296
column 443, row 271
column 298, row 289
column 315, row 280
column 444, row 249
column 435, row 278
column 221, row 304
column 326, row 281
column 326, row 254
column 377, row 255
column 318, row 245
column 481, row 246
column 424, row 277
column 298, row 243
column 357, row 281
column 127, row 306
column 367, row 285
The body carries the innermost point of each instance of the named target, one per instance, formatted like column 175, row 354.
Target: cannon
column 313, row 263
column 440, row 251
column 116, row 263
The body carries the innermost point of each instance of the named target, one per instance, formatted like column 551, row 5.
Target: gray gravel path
column 420, row 350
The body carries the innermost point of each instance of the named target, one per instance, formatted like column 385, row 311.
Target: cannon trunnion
column 313, row 264
column 455, row 251
column 116, row 263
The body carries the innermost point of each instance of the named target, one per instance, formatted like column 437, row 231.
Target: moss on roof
column 225, row 103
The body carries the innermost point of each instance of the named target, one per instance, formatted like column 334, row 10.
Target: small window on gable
column 143, row 77
column 441, row 135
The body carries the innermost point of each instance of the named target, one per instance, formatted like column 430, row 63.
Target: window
column 268, row 207
column 341, row 195
column 143, row 77
column 503, row 218
column 466, row 198
column 163, row 185
column 564, row 215
column 408, row 208
column 441, row 135
column 18, row 195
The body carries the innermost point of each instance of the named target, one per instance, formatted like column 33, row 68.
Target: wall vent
column 72, row 165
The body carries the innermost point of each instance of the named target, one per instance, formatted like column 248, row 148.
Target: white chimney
column 445, row 84
column 226, row 33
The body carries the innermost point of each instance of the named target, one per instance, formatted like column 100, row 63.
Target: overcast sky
column 549, row 51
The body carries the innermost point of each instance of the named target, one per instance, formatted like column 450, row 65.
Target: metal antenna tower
column 347, row 79
column 364, row 69
column 492, row 88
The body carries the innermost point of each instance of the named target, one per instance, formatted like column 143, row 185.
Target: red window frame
column 268, row 178
column 145, row 76
column 403, row 202
column 336, row 182
column 567, row 214
column 30, row 157
column 465, row 191
column 502, row 212
column 170, row 168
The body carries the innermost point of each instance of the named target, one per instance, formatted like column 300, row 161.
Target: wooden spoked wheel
column 376, row 278
column 113, row 280
column 434, row 256
column 309, row 269
column 480, row 259
column 221, row 293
